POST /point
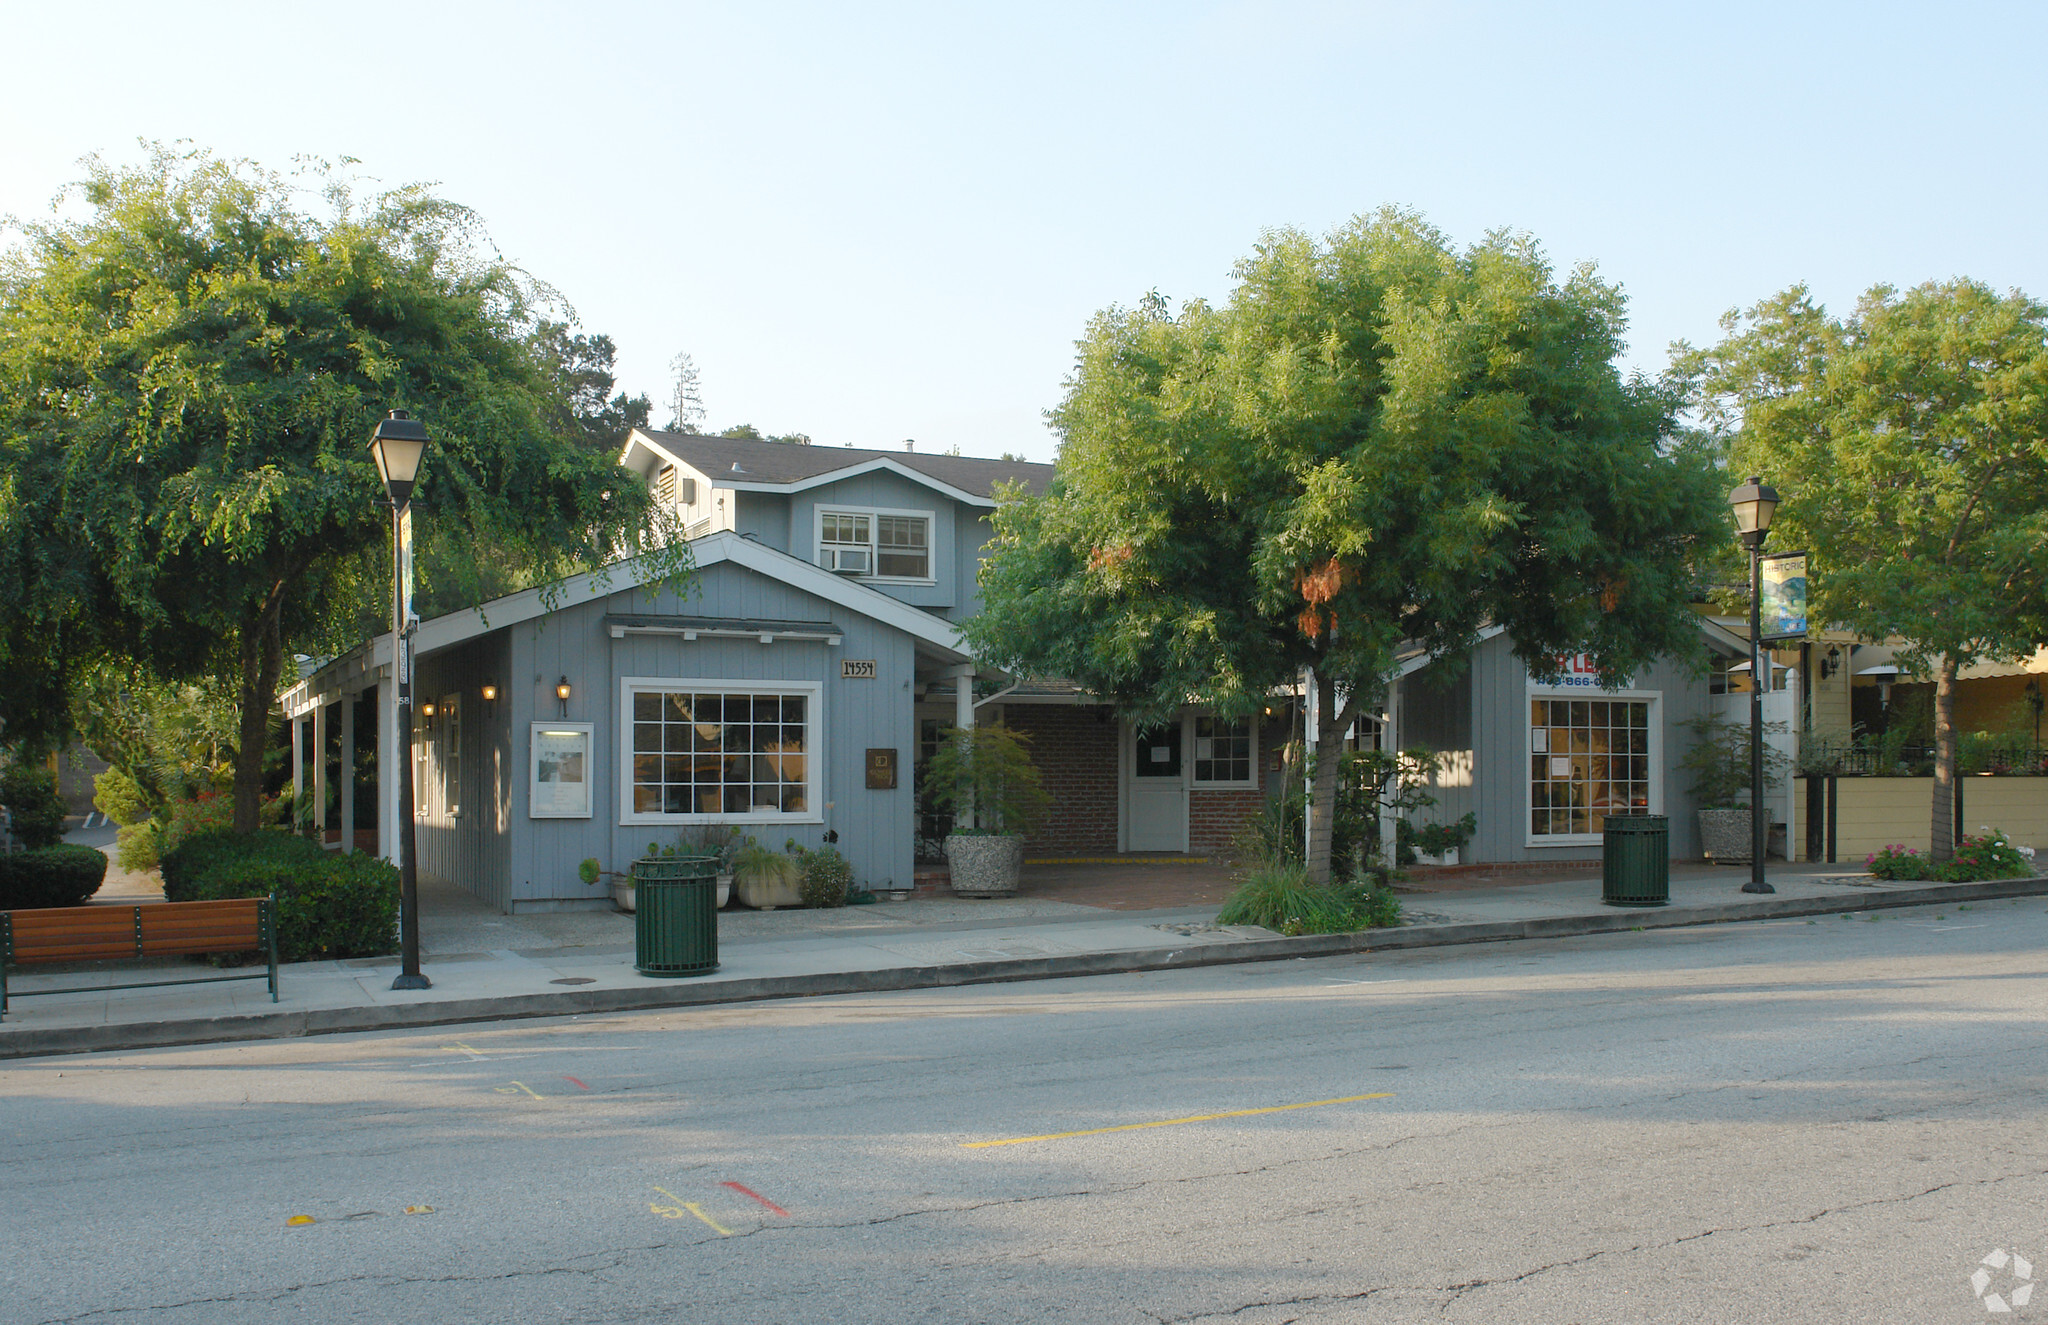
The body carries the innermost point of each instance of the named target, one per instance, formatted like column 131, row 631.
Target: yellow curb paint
column 298, row 1220
column 419, row 1209
column 1173, row 1122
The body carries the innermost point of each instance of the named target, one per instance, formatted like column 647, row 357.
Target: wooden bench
column 52, row 935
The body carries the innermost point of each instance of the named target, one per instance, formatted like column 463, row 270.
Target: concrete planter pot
column 1725, row 835
column 623, row 894
column 768, row 891
column 985, row 866
column 724, row 890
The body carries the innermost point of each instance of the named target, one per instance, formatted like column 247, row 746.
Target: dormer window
column 876, row 544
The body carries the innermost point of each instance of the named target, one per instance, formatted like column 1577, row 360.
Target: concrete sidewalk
column 488, row 966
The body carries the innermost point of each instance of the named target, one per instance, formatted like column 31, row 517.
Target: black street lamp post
column 398, row 445
column 1754, row 503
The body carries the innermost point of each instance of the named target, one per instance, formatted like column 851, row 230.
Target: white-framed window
column 1226, row 751
column 1591, row 755
column 716, row 751
column 451, row 757
column 875, row 543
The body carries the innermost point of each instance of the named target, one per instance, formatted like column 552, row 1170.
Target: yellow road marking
column 717, row 1227
column 1174, row 1122
column 682, row 1207
column 509, row 1090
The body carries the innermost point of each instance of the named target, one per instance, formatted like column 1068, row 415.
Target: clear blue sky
column 879, row 221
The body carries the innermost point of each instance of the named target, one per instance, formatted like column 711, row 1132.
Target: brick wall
column 1075, row 752
column 1214, row 817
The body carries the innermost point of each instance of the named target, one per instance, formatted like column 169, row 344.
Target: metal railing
column 1868, row 758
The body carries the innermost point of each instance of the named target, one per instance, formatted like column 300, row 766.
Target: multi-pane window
column 1223, row 750
column 891, row 546
column 901, row 546
column 1588, row 758
column 698, row 752
column 845, row 530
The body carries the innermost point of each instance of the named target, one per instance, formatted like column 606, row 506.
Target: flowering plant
column 1898, row 861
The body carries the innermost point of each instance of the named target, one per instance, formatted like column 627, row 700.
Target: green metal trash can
column 675, row 916
column 1635, row 860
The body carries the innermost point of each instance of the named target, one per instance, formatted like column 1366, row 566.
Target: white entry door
column 1156, row 790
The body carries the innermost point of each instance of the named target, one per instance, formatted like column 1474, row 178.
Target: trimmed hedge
column 29, row 791
column 328, row 905
column 54, row 876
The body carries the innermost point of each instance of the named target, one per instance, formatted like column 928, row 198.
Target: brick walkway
column 1130, row 887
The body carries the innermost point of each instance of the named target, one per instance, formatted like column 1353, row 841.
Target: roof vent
column 910, row 443
column 736, row 468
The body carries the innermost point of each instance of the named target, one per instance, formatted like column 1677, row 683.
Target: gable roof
column 935, row 634
column 784, row 467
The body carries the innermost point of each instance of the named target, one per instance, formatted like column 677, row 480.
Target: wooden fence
column 1871, row 813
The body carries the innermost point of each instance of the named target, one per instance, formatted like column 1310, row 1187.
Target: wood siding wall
column 1500, row 777
column 1873, row 813
column 874, row 827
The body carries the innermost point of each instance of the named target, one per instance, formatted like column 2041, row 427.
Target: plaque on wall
column 881, row 770
column 559, row 785
column 856, row 669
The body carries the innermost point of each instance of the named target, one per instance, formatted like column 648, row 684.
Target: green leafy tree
column 584, row 404
column 1909, row 442
column 1379, row 443
column 190, row 369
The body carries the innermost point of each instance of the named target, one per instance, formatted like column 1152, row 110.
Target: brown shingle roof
column 782, row 462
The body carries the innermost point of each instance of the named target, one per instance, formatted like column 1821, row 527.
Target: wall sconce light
column 562, row 693
column 1832, row 663
column 427, row 710
column 490, row 693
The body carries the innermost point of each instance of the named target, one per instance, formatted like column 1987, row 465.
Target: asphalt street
column 1825, row 1120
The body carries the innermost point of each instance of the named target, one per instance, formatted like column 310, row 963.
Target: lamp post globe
column 1754, row 504
column 398, row 445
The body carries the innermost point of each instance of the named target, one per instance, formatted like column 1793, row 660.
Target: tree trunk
column 262, row 658
column 1943, row 844
column 1331, row 724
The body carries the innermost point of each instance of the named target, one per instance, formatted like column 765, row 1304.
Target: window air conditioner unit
column 847, row 560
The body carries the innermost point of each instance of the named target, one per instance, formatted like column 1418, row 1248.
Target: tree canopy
column 1379, row 443
column 192, row 359
column 1909, row 444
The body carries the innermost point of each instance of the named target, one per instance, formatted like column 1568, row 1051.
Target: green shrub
column 139, row 847
column 188, row 865
column 329, row 905
column 1976, row 860
column 828, row 877
column 1898, row 861
column 210, row 812
column 1280, row 898
column 120, row 798
column 62, row 875
column 1991, row 856
column 36, row 809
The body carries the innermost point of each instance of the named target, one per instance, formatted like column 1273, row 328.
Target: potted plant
column 1719, row 764
column 723, row 842
column 1439, row 844
column 766, row 879
column 983, row 777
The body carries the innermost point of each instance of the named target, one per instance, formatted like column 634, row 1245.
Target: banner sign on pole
column 1782, row 605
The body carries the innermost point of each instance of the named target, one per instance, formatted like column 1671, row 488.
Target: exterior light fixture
column 1754, row 503
column 562, row 693
column 398, row 445
column 427, row 710
column 490, row 693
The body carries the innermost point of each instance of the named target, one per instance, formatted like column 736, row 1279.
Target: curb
column 663, row 994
